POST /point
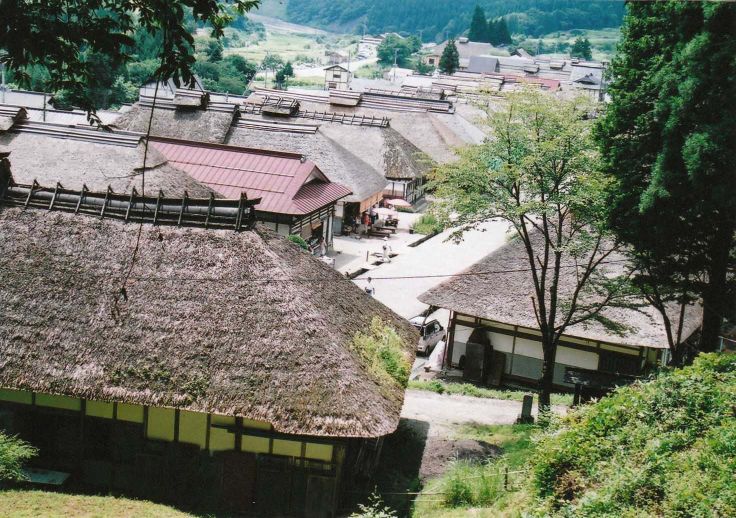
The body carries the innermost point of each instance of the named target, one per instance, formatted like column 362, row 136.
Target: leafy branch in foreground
column 69, row 37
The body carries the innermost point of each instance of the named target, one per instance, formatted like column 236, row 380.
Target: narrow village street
column 417, row 269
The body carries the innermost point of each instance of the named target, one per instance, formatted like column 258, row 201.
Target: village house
column 297, row 197
column 337, row 77
column 465, row 48
column 206, row 378
column 337, row 162
column 494, row 337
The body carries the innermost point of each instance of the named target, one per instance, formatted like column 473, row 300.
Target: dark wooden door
column 238, row 481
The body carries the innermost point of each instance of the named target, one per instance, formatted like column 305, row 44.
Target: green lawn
column 602, row 41
column 295, row 47
column 33, row 504
column 468, row 389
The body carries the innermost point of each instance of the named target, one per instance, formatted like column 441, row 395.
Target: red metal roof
column 285, row 182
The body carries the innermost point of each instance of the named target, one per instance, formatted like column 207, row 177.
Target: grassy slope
column 32, row 504
column 661, row 448
column 481, row 486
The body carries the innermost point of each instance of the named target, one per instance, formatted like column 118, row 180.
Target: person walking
column 369, row 289
column 386, row 251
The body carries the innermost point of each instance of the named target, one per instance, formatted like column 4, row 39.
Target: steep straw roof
column 74, row 163
column 198, row 125
column 339, row 164
column 196, row 331
column 506, row 298
column 384, row 149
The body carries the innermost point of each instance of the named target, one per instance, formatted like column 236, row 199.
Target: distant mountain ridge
column 437, row 18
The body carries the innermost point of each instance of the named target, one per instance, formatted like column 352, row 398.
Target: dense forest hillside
column 435, row 18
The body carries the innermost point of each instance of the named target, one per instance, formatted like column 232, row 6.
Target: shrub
column 427, row 224
column 458, row 492
column 374, row 509
column 13, row 453
column 299, row 241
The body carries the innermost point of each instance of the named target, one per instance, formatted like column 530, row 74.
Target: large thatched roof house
column 229, row 366
column 494, row 335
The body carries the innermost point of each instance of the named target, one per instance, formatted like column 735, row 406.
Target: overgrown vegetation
column 383, row 352
column 13, row 454
column 427, row 224
column 665, row 447
column 298, row 241
column 487, row 484
column 468, row 389
column 662, row 448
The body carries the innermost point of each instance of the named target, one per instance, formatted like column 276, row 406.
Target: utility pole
column 2, row 80
column 396, row 59
column 421, row 33
column 349, row 76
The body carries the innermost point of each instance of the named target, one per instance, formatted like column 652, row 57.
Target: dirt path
column 444, row 412
column 433, row 420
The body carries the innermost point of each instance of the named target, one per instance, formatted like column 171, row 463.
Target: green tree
column 246, row 69
column 493, row 36
column 396, row 47
column 581, row 49
column 540, row 174
column 503, row 35
column 59, row 35
column 450, row 59
column 667, row 138
column 214, row 51
column 478, row 26
column 288, row 69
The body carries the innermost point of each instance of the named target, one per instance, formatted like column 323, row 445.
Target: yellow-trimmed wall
column 160, row 425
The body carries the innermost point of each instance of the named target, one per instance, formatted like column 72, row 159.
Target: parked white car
column 431, row 332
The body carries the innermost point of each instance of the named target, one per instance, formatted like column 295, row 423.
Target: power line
column 296, row 280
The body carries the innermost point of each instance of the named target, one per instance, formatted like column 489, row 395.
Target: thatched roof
column 339, row 164
column 197, row 331
column 384, row 149
column 198, row 125
column 506, row 298
column 75, row 163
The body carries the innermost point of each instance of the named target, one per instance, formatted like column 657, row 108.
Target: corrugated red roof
column 285, row 182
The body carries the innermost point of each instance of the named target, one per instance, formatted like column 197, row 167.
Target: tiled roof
column 285, row 182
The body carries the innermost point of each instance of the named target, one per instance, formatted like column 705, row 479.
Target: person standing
column 369, row 289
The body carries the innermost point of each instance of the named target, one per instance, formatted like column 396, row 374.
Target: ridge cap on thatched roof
column 98, row 164
column 505, row 297
column 197, row 329
column 209, row 212
column 337, row 163
column 230, row 147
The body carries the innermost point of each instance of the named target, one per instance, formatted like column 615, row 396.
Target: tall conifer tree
column 478, row 26
column 450, row 59
column 668, row 139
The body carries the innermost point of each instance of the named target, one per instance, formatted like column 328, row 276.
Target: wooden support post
column 526, row 409
column 81, row 197
column 104, row 202
column 133, row 194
